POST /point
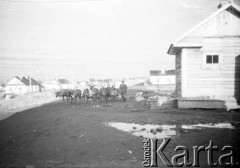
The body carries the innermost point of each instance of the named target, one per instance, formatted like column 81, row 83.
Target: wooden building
column 22, row 85
column 160, row 77
column 208, row 61
column 58, row 84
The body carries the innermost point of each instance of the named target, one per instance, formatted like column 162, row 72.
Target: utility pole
column 46, row 73
column 72, row 75
column 87, row 67
column 29, row 74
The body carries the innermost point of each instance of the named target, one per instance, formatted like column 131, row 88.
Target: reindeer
column 77, row 93
column 63, row 94
column 86, row 95
column 114, row 93
column 105, row 93
column 94, row 93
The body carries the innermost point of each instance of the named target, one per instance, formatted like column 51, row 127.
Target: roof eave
column 170, row 50
column 173, row 47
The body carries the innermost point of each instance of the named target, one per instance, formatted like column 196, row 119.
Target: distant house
column 162, row 77
column 65, row 84
column 52, row 85
column 2, row 88
column 208, row 61
column 134, row 82
column 58, row 84
column 22, row 85
column 82, row 85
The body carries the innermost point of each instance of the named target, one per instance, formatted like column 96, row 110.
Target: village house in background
column 22, row 85
column 208, row 61
column 158, row 77
column 82, row 84
column 2, row 88
column 58, row 84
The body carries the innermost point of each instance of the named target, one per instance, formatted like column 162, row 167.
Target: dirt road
column 65, row 135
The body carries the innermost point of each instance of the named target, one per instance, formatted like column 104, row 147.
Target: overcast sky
column 93, row 38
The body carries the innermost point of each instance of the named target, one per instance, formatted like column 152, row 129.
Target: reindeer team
column 93, row 92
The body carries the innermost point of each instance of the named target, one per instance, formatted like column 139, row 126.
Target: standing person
column 123, row 91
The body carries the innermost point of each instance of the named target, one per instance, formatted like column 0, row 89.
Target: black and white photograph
column 119, row 83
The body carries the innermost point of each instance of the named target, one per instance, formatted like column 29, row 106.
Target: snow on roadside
column 210, row 125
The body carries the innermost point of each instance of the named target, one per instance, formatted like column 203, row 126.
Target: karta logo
column 153, row 154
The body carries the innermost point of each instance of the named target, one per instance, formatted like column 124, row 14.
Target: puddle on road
column 161, row 131
column 146, row 131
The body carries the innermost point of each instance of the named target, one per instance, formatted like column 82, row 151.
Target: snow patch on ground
column 210, row 125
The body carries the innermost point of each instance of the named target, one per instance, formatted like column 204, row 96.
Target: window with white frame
column 212, row 60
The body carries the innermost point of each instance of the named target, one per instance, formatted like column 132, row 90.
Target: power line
column 30, row 1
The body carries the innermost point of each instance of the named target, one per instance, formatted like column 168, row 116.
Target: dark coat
column 123, row 88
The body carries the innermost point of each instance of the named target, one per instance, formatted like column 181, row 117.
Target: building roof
column 175, row 45
column 26, row 80
column 2, row 88
column 63, row 81
column 170, row 72
column 57, row 82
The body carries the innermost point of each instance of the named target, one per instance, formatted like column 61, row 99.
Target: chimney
column 223, row 3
